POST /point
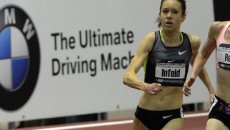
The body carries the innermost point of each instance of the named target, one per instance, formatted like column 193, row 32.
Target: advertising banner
column 67, row 57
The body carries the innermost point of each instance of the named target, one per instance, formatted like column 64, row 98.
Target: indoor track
column 193, row 121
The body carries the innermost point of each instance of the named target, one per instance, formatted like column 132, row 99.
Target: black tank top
column 168, row 65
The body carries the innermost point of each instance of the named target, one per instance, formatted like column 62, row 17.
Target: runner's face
column 171, row 15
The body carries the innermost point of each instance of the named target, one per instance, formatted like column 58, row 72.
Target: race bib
column 223, row 56
column 170, row 72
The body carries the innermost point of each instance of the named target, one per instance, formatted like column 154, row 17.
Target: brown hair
column 183, row 7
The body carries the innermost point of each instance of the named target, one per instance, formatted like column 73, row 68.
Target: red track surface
column 191, row 123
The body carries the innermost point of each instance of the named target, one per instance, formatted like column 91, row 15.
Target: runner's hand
column 153, row 89
column 187, row 85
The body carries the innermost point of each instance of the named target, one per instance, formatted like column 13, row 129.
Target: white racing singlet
column 223, row 50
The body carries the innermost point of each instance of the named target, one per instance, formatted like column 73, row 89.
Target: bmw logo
column 19, row 58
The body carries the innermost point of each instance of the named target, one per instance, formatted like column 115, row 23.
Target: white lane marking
column 112, row 123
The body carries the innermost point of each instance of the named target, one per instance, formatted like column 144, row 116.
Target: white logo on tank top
column 182, row 52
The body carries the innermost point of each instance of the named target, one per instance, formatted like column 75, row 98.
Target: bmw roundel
column 19, row 57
